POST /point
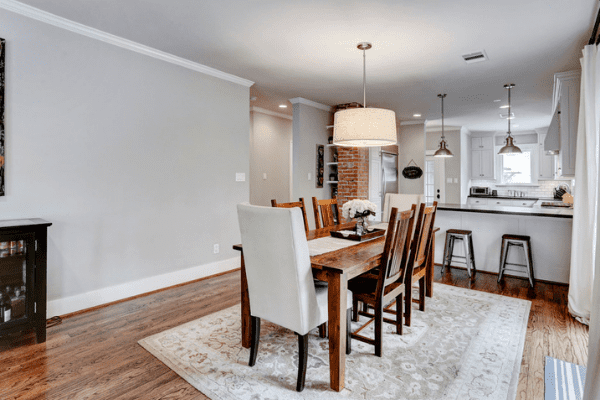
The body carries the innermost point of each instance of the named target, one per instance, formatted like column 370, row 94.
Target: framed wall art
column 2, row 147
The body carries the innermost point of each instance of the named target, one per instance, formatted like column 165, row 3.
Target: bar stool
column 520, row 241
column 453, row 235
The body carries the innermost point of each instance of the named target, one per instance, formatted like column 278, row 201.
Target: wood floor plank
column 95, row 354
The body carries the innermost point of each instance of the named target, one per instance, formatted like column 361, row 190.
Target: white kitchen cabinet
column 569, row 118
column 482, row 143
column 475, row 201
column 511, row 202
column 546, row 162
column 482, row 158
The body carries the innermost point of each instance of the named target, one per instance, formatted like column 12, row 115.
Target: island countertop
column 535, row 211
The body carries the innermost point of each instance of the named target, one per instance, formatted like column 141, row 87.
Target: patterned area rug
column 467, row 345
column 564, row 381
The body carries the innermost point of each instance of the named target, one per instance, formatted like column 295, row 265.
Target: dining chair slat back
column 300, row 204
column 326, row 209
column 421, row 250
column 397, row 246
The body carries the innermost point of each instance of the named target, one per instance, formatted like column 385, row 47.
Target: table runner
column 327, row 244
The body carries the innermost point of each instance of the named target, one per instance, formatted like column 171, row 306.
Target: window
column 517, row 168
column 429, row 181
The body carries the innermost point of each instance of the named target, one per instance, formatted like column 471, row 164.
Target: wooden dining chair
column 327, row 216
column 380, row 290
column 299, row 204
column 279, row 275
column 422, row 248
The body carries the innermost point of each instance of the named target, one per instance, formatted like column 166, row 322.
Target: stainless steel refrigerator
column 389, row 174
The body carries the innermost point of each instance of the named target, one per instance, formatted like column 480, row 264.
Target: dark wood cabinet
column 23, row 245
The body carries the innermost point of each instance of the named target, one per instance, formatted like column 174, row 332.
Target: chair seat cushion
column 363, row 284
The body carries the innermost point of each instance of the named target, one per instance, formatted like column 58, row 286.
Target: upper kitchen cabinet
column 482, row 157
column 546, row 161
column 562, row 133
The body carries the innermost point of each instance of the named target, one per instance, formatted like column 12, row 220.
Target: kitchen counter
column 550, row 230
column 535, row 211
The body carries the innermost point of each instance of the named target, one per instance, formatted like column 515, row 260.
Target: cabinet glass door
column 16, row 282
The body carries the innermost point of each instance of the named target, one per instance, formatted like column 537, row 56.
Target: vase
column 361, row 225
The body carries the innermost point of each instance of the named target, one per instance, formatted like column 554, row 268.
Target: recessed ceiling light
column 416, row 115
column 282, row 106
column 497, row 100
column 516, row 125
column 504, row 106
column 512, row 115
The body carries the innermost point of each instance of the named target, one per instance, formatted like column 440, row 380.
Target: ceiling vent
column 504, row 116
column 478, row 56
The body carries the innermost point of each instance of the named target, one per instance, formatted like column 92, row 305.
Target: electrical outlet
column 216, row 248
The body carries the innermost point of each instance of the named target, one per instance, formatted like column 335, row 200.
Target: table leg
column 430, row 271
column 246, row 331
column 337, row 308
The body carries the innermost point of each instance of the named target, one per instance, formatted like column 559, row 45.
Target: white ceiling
column 308, row 49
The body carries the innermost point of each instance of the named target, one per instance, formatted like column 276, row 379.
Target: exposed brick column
column 353, row 174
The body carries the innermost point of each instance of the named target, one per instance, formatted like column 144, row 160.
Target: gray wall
column 132, row 159
column 452, row 165
column 411, row 146
column 270, row 138
column 309, row 129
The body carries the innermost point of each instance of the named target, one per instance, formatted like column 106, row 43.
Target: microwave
column 480, row 190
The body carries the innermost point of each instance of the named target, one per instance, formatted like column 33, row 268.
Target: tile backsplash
column 545, row 188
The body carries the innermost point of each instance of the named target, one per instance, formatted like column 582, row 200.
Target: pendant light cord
column 364, row 78
column 508, row 116
column 443, row 137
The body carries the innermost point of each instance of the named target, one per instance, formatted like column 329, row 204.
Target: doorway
column 435, row 178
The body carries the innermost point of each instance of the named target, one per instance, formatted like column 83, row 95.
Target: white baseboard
column 98, row 297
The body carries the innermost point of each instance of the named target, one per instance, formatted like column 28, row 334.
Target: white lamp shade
column 364, row 127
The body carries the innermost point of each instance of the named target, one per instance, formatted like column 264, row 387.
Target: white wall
column 309, row 129
column 270, row 137
column 411, row 146
column 132, row 159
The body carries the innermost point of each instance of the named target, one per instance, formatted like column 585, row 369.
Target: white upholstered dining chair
column 403, row 202
column 279, row 275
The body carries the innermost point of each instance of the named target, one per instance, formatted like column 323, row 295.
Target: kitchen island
column 549, row 228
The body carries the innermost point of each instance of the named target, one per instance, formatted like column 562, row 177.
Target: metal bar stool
column 520, row 241
column 453, row 235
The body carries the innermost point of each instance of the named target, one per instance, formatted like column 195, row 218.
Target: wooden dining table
column 335, row 268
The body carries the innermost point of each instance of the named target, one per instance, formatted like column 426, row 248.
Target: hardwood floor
column 96, row 355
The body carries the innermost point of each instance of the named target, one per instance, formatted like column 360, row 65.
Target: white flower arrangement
column 358, row 208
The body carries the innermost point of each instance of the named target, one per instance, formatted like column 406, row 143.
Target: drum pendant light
column 443, row 151
column 364, row 127
column 509, row 147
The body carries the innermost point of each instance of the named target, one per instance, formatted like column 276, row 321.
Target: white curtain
column 584, row 290
column 585, row 216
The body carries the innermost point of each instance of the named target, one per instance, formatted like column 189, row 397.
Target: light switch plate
column 449, row 180
column 455, row 180
column 309, row 176
column 240, row 176
column 265, row 176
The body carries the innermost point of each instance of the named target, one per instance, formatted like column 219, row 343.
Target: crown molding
column 311, row 103
column 269, row 112
column 60, row 22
